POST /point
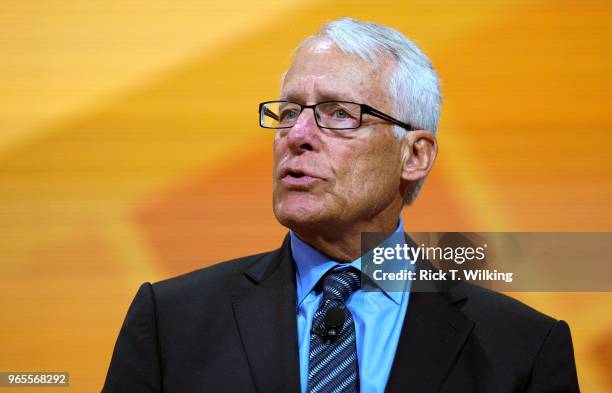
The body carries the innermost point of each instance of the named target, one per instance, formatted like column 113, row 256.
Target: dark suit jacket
column 232, row 327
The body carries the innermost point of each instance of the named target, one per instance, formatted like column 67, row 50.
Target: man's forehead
column 322, row 54
column 328, row 88
column 320, row 45
column 323, row 69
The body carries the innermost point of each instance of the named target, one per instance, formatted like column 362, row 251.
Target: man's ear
column 420, row 148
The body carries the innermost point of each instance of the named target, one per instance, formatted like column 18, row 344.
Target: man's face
column 334, row 178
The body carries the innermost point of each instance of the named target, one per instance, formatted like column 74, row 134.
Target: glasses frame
column 365, row 109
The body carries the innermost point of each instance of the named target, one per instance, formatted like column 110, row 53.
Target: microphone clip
column 332, row 324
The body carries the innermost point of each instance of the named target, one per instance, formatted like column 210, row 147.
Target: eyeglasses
column 333, row 115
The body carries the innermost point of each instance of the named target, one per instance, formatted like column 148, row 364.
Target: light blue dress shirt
column 378, row 316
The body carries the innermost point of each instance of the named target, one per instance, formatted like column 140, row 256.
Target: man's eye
column 288, row 115
column 340, row 114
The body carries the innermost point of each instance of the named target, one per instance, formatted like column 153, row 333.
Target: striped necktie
column 333, row 354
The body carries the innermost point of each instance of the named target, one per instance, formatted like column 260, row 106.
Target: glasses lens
column 339, row 115
column 279, row 114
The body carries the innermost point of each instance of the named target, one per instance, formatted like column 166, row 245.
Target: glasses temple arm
column 269, row 113
column 369, row 110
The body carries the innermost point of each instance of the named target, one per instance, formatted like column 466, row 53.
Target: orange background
column 130, row 151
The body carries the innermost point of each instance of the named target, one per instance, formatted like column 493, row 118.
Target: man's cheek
column 354, row 184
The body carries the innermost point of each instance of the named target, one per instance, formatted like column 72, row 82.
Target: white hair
column 414, row 87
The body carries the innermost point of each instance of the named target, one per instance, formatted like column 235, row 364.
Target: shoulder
column 487, row 305
column 513, row 336
column 200, row 286
column 505, row 322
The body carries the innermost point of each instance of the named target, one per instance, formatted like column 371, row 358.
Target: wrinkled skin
column 346, row 183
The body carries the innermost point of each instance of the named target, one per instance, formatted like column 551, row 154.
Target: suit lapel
column 432, row 337
column 263, row 299
column 433, row 334
column 265, row 311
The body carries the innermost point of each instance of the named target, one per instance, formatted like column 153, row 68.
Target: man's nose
column 304, row 135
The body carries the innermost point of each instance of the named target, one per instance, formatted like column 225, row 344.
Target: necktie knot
column 339, row 285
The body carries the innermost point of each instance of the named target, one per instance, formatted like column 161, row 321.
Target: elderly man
column 355, row 138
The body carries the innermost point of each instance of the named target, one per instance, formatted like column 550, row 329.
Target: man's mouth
column 298, row 179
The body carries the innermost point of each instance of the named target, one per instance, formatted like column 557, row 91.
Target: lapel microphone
column 332, row 323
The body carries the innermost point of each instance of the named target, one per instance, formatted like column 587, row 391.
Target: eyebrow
column 322, row 96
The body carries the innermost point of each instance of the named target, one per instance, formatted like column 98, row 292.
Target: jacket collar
column 433, row 335
column 264, row 302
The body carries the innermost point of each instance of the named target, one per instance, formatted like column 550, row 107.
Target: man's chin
column 299, row 218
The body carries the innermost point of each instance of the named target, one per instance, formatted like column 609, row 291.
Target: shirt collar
column 312, row 264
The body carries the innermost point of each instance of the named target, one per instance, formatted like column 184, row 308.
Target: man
column 355, row 138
